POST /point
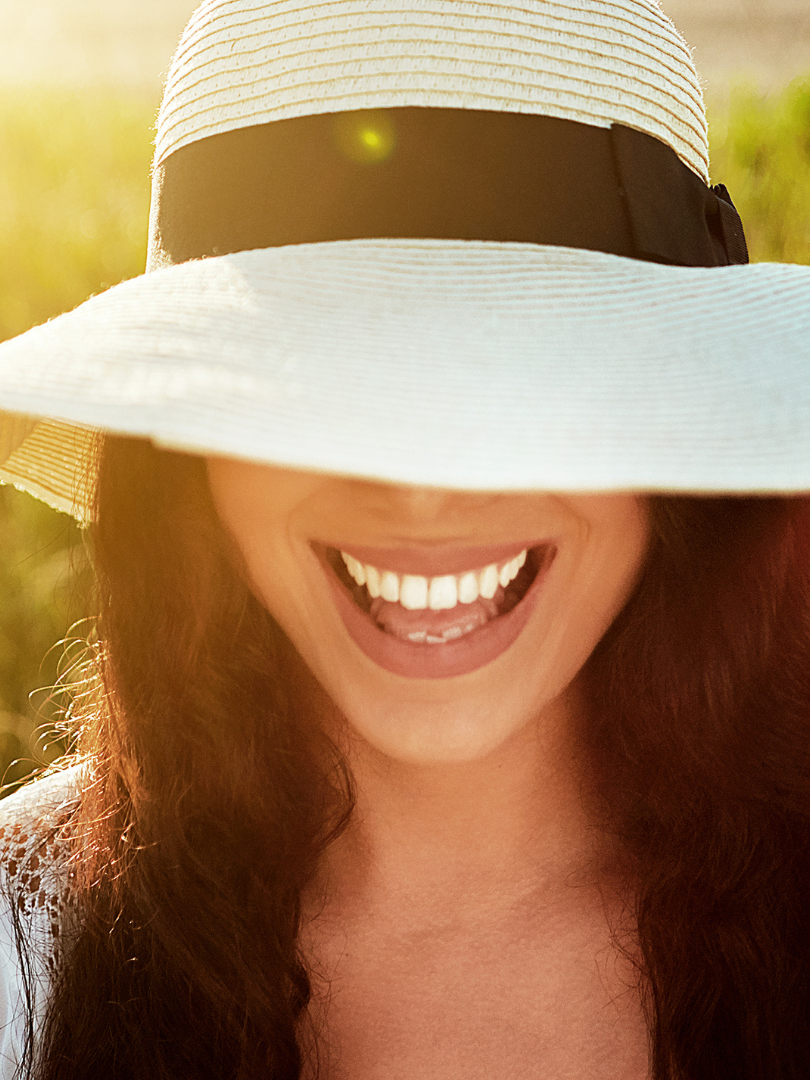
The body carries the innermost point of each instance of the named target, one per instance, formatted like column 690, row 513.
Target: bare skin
column 461, row 927
column 466, row 933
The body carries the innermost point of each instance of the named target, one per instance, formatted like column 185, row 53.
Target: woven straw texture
column 244, row 62
column 51, row 460
column 467, row 365
column 527, row 367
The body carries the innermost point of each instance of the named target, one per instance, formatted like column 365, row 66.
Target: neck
column 464, row 836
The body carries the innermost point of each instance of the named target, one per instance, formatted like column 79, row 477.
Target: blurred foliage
column 44, row 585
column 761, row 152
column 74, row 205
column 74, row 200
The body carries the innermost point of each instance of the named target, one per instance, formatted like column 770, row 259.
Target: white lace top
column 34, row 881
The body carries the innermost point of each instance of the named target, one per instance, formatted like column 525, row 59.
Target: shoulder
column 34, row 853
column 30, row 815
column 34, row 889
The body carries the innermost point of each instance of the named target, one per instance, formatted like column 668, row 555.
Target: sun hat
column 442, row 242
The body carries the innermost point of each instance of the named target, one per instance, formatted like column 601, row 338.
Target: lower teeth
column 422, row 637
column 405, row 625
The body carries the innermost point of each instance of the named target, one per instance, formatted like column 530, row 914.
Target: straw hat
column 444, row 242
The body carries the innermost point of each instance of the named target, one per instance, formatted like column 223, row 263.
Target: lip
column 454, row 658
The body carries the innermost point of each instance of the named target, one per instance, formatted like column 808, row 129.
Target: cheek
column 620, row 541
column 601, row 576
column 271, row 573
column 257, row 505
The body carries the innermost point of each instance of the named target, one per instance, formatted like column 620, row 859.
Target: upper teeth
column 438, row 593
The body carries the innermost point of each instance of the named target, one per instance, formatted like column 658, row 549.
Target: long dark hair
column 211, row 795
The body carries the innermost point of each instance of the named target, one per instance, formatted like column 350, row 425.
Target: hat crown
column 599, row 62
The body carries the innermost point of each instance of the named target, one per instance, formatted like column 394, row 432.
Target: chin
column 436, row 722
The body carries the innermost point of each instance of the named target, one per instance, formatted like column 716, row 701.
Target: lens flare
column 367, row 137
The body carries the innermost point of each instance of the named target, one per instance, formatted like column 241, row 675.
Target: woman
column 451, row 703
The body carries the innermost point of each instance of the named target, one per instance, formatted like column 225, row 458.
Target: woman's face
column 440, row 623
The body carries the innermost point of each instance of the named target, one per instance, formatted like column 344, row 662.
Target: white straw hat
column 441, row 242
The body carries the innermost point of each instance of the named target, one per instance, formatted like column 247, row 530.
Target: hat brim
column 458, row 364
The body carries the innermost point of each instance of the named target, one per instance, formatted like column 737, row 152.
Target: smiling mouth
column 440, row 625
column 435, row 611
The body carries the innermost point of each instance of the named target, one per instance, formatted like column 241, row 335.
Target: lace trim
column 35, row 860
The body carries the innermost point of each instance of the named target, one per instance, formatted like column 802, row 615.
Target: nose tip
column 423, row 503
column 409, row 508
column 429, row 506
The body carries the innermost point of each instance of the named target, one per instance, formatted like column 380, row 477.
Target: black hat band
column 447, row 174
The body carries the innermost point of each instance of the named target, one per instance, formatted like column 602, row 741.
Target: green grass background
column 74, row 201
